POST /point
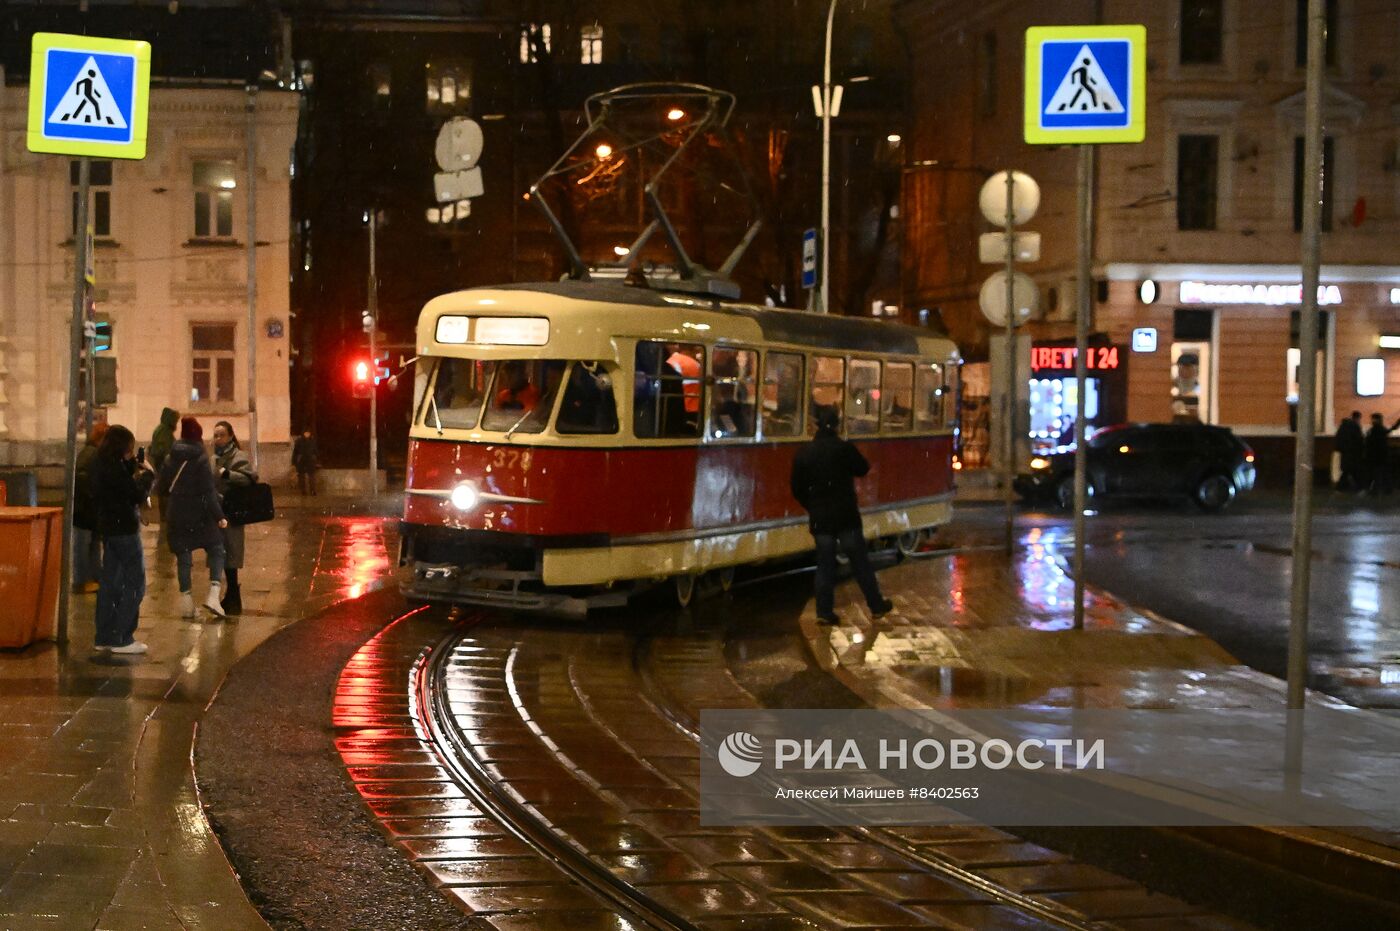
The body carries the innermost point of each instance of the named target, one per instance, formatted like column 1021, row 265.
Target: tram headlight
column 465, row 496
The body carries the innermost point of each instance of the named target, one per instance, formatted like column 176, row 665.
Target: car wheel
column 1064, row 492
column 1215, row 492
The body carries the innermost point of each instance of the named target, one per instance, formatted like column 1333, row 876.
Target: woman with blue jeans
column 193, row 516
column 119, row 485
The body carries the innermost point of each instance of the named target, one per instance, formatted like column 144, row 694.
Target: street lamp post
column 823, row 303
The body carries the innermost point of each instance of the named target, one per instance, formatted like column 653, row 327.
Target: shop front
column 1054, row 391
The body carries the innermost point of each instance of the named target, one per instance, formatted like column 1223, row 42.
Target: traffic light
column 363, row 375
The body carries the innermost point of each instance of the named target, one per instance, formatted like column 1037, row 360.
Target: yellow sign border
column 140, row 105
column 1135, row 131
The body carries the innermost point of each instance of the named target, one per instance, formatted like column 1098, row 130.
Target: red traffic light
column 362, row 373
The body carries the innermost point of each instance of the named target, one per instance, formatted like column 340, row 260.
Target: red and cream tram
column 575, row 441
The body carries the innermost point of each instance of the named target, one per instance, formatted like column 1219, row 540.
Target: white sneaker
column 134, row 647
column 211, row 603
column 186, row 605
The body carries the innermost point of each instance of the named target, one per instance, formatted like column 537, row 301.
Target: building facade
column 171, row 268
column 1197, row 243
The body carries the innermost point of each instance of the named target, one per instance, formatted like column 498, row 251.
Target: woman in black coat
column 193, row 517
column 119, row 485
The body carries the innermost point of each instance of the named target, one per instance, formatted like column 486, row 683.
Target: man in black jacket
column 119, row 483
column 823, row 482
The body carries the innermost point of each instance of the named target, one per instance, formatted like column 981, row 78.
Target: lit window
column 214, row 184
column 828, row 387
column 863, row 397
column 99, row 194
column 591, row 44
column 782, row 394
column 533, row 39
column 381, row 82
column 733, row 400
column 212, row 365
column 449, row 85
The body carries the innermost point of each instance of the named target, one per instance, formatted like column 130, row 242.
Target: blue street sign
column 88, row 96
column 1085, row 84
column 809, row 259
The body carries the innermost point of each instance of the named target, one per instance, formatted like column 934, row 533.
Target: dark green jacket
column 163, row 438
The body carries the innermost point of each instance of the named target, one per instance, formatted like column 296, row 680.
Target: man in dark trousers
column 1378, row 454
column 1351, row 448
column 823, row 482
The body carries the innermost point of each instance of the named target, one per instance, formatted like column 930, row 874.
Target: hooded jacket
column 163, row 438
column 193, row 512
column 823, row 481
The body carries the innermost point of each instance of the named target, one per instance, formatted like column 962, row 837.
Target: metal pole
column 252, row 108
column 373, row 358
column 75, row 344
column 89, row 340
column 1009, row 465
column 824, row 283
column 1081, row 353
column 1307, row 379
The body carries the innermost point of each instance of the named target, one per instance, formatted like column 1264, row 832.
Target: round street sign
column 459, row 144
column 992, row 297
column 1025, row 198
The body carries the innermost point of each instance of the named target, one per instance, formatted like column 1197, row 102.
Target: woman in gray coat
column 193, row 517
column 231, row 467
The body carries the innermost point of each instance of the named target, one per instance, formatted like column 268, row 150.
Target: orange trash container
column 31, row 554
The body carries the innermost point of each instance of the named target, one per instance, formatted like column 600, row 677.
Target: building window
column 449, row 85
column 987, row 74
column 591, row 45
column 1192, row 353
column 629, row 43
column 214, row 184
column 1197, row 170
column 1301, row 57
column 1201, row 29
column 1328, row 165
column 1294, row 361
column 212, row 364
column 534, row 40
column 99, row 197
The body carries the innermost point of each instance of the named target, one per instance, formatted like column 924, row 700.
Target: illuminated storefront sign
column 1053, row 359
column 1395, row 295
column 1275, row 295
column 1145, row 339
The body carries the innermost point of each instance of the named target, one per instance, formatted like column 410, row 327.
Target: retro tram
column 577, row 441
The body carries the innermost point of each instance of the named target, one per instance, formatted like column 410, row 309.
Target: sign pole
column 89, row 335
column 1009, row 470
column 75, row 350
column 373, row 358
column 1307, row 386
column 1081, row 353
column 252, row 105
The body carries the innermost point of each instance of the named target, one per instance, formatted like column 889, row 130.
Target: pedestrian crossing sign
column 88, row 96
column 1086, row 84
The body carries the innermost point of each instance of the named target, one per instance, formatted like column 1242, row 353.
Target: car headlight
column 465, row 496
column 1040, row 462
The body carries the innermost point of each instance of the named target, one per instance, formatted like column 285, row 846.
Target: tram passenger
column 518, row 392
column 823, row 482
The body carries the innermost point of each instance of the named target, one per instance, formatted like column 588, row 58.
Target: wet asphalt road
column 1228, row 576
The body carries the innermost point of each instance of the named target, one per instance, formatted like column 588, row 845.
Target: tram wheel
column 726, row 578
column 685, row 589
column 909, row 542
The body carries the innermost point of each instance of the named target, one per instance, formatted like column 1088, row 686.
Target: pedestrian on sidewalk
column 823, row 482
column 87, row 542
column 193, row 516
column 231, row 468
column 1378, row 453
column 306, row 461
column 162, row 440
column 1351, row 448
column 119, row 485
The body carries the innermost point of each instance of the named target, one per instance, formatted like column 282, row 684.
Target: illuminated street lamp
column 603, row 150
column 827, row 100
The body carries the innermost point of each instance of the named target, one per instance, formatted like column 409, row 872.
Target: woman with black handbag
column 231, row 470
column 193, row 517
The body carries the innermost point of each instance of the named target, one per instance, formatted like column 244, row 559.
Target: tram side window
column 828, row 387
column 897, row 396
column 732, row 400
column 459, row 386
column 667, row 395
column 782, row 394
column 929, row 394
column 522, row 396
column 589, row 405
column 863, row 398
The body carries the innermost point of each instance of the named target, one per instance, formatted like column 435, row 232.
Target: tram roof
column 792, row 327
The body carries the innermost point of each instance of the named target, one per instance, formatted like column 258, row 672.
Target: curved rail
column 472, row 776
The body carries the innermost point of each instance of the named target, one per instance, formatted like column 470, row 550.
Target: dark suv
column 1209, row 465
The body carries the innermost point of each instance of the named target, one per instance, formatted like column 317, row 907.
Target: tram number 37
column 511, row 459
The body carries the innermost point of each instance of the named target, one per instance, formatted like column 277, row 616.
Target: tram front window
column 589, row 405
column 459, row 386
column 522, row 395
